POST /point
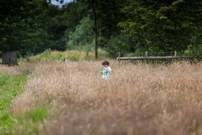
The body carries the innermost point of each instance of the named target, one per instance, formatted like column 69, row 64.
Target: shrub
column 117, row 44
column 59, row 56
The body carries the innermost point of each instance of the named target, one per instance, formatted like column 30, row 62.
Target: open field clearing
column 138, row 99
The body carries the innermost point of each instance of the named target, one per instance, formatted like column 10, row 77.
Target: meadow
column 70, row 98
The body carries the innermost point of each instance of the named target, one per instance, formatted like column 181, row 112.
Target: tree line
column 130, row 26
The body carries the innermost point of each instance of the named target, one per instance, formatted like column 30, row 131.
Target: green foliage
column 61, row 22
column 108, row 15
column 46, row 55
column 154, row 25
column 102, row 54
column 163, row 25
column 75, row 57
column 59, row 56
column 20, row 24
column 83, row 34
column 36, row 25
column 117, row 44
column 87, row 56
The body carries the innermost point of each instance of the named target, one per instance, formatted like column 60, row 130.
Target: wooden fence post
column 146, row 54
column 119, row 55
column 175, row 54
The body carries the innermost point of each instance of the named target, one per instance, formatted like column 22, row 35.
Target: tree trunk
column 95, row 25
column 9, row 58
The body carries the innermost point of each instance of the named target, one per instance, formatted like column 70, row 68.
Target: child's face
column 105, row 65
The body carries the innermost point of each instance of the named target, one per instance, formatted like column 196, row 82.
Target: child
column 106, row 70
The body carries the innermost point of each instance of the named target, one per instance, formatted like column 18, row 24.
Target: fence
column 158, row 55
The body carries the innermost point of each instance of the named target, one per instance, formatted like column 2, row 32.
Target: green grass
column 69, row 55
column 10, row 87
column 103, row 54
column 29, row 123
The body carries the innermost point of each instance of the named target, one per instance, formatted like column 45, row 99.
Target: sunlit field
column 138, row 99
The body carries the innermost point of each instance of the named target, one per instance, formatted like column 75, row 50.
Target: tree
column 95, row 25
column 56, row 26
column 106, row 15
column 82, row 35
column 163, row 25
column 59, row 24
column 119, row 43
column 19, row 27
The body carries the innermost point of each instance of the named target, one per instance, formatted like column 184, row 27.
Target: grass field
column 70, row 98
column 49, row 55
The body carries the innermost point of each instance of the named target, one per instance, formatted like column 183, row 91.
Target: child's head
column 105, row 63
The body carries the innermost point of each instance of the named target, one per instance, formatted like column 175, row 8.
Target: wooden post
column 119, row 55
column 146, row 54
column 175, row 54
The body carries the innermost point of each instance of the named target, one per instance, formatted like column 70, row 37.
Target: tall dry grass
column 137, row 99
column 22, row 68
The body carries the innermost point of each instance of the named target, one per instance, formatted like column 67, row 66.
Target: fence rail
column 155, row 57
column 146, row 57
